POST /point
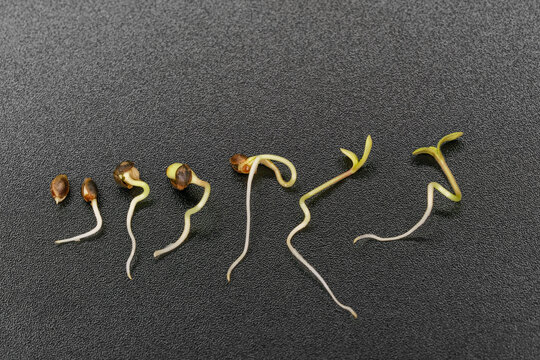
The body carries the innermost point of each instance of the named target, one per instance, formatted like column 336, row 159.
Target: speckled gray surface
column 85, row 85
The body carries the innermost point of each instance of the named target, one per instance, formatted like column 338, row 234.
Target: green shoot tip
column 357, row 164
column 350, row 155
column 433, row 151
column 449, row 137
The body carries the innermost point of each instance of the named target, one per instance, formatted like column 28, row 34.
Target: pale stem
column 136, row 199
column 248, row 215
column 89, row 233
column 187, row 217
column 303, row 224
column 254, row 162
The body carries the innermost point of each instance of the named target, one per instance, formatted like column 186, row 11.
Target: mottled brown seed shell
column 237, row 161
column 182, row 178
column 59, row 187
column 120, row 170
column 89, row 190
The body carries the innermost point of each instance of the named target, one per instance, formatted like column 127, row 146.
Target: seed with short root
column 182, row 177
column 59, row 188
column 123, row 168
column 89, row 194
column 89, row 190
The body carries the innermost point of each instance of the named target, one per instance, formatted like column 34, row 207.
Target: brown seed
column 182, row 178
column 238, row 163
column 89, row 190
column 59, row 188
column 125, row 166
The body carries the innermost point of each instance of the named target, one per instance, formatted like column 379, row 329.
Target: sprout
column 89, row 194
column 437, row 154
column 126, row 175
column 244, row 165
column 356, row 164
column 59, row 188
column 181, row 176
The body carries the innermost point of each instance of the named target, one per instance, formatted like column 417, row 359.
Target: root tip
column 364, row 238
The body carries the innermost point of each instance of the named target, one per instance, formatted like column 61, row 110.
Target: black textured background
column 85, row 85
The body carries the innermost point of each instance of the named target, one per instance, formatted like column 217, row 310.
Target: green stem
column 307, row 217
column 451, row 179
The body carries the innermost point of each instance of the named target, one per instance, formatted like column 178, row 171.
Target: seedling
column 181, row 176
column 456, row 197
column 356, row 164
column 89, row 194
column 127, row 175
column 244, row 165
column 59, row 188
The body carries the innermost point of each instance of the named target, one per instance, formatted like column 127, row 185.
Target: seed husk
column 59, row 188
column 89, row 190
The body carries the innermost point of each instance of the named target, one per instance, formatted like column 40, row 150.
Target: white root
column 430, row 191
column 248, row 214
column 95, row 230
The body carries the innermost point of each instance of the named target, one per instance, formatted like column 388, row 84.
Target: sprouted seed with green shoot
column 180, row 176
column 248, row 165
column 127, row 175
column 59, row 188
column 356, row 165
column 89, row 194
column 432, row 186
